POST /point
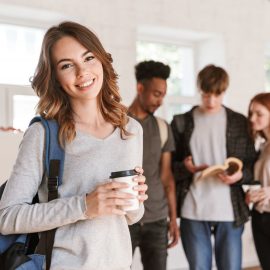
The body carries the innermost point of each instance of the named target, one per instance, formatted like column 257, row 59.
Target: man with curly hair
column 151, row 233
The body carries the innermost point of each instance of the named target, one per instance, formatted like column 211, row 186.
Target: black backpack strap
column 53, row 183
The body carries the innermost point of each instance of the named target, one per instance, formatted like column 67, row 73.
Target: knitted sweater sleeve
column 17, row 214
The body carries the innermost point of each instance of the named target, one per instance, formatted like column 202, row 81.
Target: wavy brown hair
column 264, row 100
column 54, row 102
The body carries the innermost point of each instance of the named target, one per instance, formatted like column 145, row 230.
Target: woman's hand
column 107, row 199
column 260, row 196
column 141, row 187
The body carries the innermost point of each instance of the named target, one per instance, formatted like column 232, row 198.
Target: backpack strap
column 54, row 167
column 53, row 149
column 163, row 131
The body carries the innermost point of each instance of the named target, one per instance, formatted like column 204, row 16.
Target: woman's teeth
column 85, row 84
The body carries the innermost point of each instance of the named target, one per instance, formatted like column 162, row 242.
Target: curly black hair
column 147, row 70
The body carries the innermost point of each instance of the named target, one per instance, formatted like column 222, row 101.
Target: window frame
column 7, row 92
column 147, row 35
column 26, row 17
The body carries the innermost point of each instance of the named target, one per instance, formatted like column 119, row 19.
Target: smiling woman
column 64, row 69
column 259, row 119
column 81, row 75
column 77, row 87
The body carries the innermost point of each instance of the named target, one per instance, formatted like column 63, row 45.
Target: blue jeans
column 152, row 239
column 196, row 239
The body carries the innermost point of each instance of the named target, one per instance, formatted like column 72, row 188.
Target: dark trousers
column 261, row 235
column 152, row 239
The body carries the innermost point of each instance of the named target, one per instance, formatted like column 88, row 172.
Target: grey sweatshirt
column 101, row 243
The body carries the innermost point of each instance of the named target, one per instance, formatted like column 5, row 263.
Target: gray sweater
column 101, row 243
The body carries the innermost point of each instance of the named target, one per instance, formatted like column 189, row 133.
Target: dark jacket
column 238, row 144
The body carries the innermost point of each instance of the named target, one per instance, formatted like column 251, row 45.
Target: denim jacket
column 238, row 144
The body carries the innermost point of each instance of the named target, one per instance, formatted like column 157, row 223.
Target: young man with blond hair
column 215, row 205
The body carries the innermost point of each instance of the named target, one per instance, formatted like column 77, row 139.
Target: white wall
column 235, row 34
column 242, row 24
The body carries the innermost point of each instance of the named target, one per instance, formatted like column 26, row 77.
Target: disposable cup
column 127, row 177
column 253, row 190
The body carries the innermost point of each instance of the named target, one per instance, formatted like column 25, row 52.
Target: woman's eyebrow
column 85, row 53
column 63, row 60
column 69, row 59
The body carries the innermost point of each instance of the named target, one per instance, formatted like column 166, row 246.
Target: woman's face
column 78, row 71
column 259, row 117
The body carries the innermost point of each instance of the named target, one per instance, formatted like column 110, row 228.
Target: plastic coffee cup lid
column 123, row 173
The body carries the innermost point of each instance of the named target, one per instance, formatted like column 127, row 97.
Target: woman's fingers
column 109, row 198
column 142, row 197
column 140, row 179
column 257, row 195
column 118, row 211
column 141, row 188
column 112, row 185
column 118, row 202
column 139, row 170
column 118, row 194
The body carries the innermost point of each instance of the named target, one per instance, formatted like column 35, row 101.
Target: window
column 181, row 94
column 23, row 110
column 19, row 105
column 19, row 53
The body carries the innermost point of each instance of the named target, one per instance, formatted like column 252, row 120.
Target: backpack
column 163, row 130
column 17, row 251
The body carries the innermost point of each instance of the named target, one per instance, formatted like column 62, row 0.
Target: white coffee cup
column 254, row 187
column 253, row 190
column 127, row 177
